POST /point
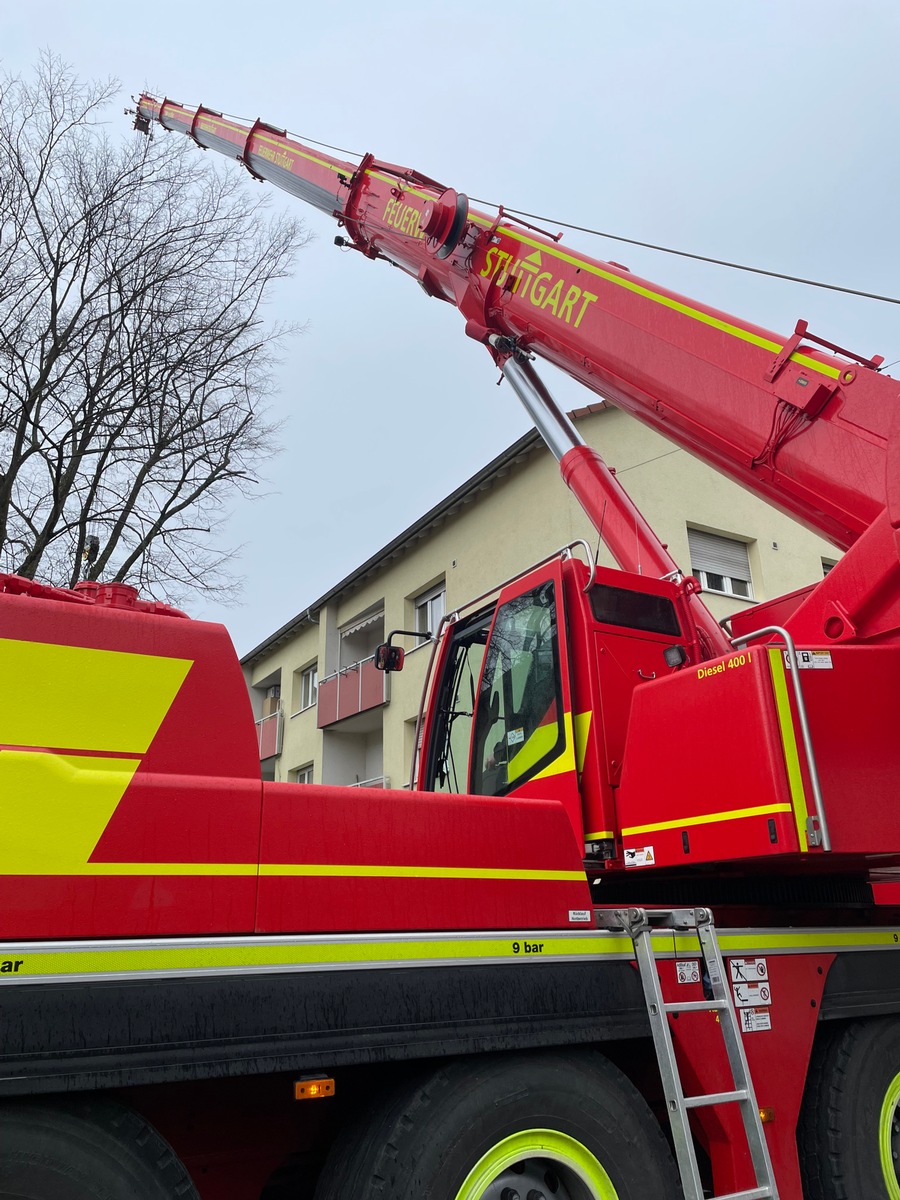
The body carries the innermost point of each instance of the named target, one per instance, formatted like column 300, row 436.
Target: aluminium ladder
column 640, row 924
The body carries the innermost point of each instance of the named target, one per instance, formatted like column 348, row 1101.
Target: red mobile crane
column 179, row 943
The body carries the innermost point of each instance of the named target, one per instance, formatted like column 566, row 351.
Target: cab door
column 522, row 739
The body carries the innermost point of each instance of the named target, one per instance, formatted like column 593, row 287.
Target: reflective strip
column 42, row 866
column 789, row 744
column 541, row 742
column 351, row 870
column 600, row 835
column 732, row 814
column 669, row 302
column 775, row 941
column 582, row 733
column 25, row 962
column 267, row 955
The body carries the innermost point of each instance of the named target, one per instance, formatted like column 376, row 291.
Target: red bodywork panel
column 705, row 776
column 132, row 804
column 346, row 859
column 126, row 748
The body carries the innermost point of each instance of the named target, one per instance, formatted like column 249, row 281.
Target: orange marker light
column 313, row 1089
column 767, row 1115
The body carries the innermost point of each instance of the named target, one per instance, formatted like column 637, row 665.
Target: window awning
column 362, row 623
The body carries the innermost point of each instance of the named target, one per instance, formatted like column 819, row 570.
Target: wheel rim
column 889, row 1139
column 539, row 1164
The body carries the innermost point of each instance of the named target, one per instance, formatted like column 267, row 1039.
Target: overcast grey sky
column 764, row 132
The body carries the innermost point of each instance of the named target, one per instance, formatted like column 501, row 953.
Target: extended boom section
column 806, row 428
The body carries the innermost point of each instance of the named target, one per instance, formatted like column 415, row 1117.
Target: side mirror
column 389, row 658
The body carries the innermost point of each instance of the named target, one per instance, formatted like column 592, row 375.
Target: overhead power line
column 719, row 262
column 615, row 237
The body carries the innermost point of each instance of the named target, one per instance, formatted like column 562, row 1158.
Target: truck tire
column 849, row 1130
column 549, row 1126
column 87, row 1148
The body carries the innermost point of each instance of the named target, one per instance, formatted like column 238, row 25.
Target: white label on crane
column 748, row 970
column 811, row 660
column 688, row 971
column 640, row 856
column 750, row 995
column 755, row 1019
column 579, row 914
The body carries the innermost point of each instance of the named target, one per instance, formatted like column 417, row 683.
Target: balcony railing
column 268, row 734
column 380, row 781
column 351, row 690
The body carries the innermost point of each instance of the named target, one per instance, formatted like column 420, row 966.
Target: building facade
column 326, row 715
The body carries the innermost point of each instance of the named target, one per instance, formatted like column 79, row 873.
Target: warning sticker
column 748, row 970
column 749, row 995
column 579, row 914
column 688, row 972
column 755, row 1019
column 642, row 856
column 811, row 660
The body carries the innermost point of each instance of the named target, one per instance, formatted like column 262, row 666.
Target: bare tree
column 134, row 360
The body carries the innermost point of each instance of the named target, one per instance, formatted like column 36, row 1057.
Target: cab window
column 448, row 758
column 519, row 728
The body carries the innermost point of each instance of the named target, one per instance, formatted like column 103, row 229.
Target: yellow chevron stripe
column 54, row 807
column 101, row 700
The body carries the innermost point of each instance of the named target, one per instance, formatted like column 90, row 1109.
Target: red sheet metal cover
column 704, row 778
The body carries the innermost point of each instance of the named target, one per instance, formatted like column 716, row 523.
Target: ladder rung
column 716, row 1098
column 757, row 1193
column 694, row 1005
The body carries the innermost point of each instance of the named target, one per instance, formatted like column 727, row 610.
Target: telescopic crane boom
column 798, row 420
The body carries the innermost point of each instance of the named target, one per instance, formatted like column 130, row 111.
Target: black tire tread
column 831, row 1129
column 93, row 1146
column 362, row 1160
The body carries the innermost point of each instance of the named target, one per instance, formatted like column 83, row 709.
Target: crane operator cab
column 529, row 695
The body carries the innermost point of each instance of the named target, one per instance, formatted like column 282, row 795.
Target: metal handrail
column 344, row 670
column 821, row 836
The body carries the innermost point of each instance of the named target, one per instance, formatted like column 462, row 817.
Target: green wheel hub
column 889, row 1139
column 540, row 1164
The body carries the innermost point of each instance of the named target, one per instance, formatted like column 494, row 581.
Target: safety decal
column 640, row 856
column 811, row 660
column 688, row 971
column 748, row 970
column 755, row 1020
column 751, row 995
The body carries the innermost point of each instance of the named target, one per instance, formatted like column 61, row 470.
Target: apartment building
column 326, row 715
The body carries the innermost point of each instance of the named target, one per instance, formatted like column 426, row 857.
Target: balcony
column 268, row 734
column 352, row 690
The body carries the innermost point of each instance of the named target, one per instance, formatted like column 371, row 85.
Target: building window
column 720, row 563
column 430, row 607
column 302, row 774
column 306, row 685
